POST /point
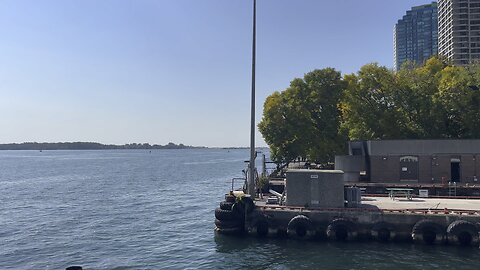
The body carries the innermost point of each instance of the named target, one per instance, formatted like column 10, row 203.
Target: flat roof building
column 411, row 161
column 416, row 35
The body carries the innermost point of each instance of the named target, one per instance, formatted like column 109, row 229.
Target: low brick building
column 411, row 161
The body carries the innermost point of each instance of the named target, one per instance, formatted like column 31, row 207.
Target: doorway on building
column 409, row 168
column 455, row 169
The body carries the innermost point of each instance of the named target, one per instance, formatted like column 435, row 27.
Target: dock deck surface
column 402, row 203
column 420, row 203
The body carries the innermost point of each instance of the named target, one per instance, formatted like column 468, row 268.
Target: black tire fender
column 300, row 227
column 230, row 231
column 248, row 203
column 238, row 210
column 260, row 226
column 383, row 231
column 462, row 232
column 222, row 215
column 228, row 224
column 428, row 232
column 242, row 205
column 341, row 229
column 230, row 198
column 226, row 205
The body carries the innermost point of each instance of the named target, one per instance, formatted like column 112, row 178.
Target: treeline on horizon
column 316, row 116
column 89, row 146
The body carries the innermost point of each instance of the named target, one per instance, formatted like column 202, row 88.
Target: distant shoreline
column 91, row 146
column 98, row 146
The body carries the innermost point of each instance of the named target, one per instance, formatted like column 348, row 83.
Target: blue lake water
column 134, row 209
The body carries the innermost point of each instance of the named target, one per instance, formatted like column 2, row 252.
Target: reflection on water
column 265, row 253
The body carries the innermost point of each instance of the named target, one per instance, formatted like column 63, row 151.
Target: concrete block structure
column 411, row 161
column 315, row 188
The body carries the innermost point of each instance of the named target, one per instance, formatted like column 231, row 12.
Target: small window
column 409, row 159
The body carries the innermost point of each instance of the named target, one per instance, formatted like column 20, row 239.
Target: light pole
column 251, row 171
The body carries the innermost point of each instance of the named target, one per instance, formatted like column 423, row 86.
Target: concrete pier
column 427, row 221
column 318, row 206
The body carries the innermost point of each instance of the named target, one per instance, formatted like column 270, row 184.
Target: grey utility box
column 315, row 188
column 353, row 196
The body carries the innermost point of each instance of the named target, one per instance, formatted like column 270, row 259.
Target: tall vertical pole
column 251, row 175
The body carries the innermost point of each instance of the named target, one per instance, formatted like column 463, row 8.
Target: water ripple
column 117, row 210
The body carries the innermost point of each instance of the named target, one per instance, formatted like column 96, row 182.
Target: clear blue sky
column 159, row 71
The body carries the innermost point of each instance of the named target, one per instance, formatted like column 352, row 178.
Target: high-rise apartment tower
column 416, row 35
column 459, row 30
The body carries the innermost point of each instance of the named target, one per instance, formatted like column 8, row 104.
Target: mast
column 251, row 171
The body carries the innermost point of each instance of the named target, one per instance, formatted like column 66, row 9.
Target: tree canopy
column 316, row 115
column 304, row 120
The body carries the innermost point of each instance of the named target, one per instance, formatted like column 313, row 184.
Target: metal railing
column 236, row 179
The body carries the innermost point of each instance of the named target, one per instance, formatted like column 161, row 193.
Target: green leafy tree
column 460, row 98
column 371, row 106
column 278, row 127
column 324, row 138
column 303, row 120
column 315, row 116
column 382, row 104
column 416, row 88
